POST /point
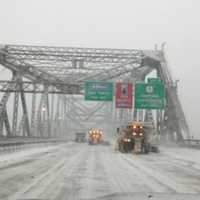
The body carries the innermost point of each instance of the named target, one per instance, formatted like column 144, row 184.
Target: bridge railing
column 18, row 144
column 192, row 142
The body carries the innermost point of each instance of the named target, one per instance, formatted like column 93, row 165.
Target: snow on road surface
column 17, row 155
column 80, row 171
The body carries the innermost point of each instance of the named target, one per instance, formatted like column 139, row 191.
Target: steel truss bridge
column 50, row 81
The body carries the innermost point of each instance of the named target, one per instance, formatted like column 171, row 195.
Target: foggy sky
column 136, row 24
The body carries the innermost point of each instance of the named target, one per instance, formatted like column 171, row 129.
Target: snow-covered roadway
column 79, row 171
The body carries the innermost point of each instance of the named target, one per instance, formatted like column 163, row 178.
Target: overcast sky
column 116, row 24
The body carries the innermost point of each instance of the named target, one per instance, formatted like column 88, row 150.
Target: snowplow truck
column 95, row 136
column 136, row 138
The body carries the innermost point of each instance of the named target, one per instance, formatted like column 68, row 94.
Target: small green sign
column 155, row 80
column 98, row 91
column 149, row 96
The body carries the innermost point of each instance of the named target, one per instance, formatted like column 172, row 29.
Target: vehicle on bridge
column 95, row 136
column 136, row 137
column 80, row 137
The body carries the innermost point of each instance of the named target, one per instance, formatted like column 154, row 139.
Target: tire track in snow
column 180, row 170
column 67, row 184
column 16, row 177
column 41, row 184
column 88, row 176
column 157, row 176
column 134, row 179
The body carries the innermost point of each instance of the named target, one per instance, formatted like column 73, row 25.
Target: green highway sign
column 98, row 91
column 149, row 96
column 155, row 80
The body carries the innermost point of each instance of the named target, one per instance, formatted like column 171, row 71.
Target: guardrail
column 8, row 145
column 192, row 142
column 19, row 140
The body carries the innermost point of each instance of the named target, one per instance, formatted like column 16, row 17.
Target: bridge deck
column 79, row 171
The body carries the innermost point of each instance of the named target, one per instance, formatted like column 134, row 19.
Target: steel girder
column 7, row 124
column 30, row 71
column 39, row 63
column 71, row 63
column 16, row 104
column 34, row 87
column 64, row 70
column 15, row 113
column 3, row 109
column 172, row 122
column 33, row 113
column 25, row 112
column 94, row 55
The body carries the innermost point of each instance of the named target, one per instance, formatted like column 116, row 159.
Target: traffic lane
column 183, row 155
column 78, row 176
column 95, row 171
column 178, row 175
column 60, row 181
column 23, row 153
column 15, row 173
column 108, row 172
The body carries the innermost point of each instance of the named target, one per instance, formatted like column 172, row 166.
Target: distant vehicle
column 136, row 138
column 80, row 137
column 95, row 136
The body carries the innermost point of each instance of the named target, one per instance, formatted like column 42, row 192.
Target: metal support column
column 64, row 116
column 48, row 124
column 15, row 113
column 1, row 125
column 39, row 125
column 52, row 115
column 57, row 117
column 135, row 114
column 20, row 129
column 3, row 102
column 140, row 115
column 33, row 112
column 15, row 104
column 25, row 112
column 7, row 124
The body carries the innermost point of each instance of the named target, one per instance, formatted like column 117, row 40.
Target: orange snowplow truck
column 136, row 138
column 95, row 136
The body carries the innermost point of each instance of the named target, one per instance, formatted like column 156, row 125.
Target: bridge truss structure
column 50, row 81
